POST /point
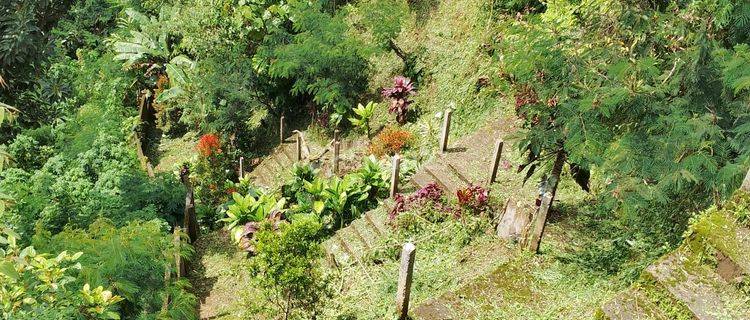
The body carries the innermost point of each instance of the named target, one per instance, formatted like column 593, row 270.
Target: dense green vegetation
column 644, row 104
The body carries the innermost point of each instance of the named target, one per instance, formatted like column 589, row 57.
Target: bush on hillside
column 130, row 259
column 287, row 266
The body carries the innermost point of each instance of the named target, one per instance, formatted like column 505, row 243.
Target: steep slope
column 705, row 278
column 467, row 161
column 273, row 170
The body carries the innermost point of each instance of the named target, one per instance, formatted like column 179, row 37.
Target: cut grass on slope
column 221, row 278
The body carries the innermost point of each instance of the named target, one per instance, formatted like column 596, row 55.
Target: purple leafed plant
column 431, row 193
column 399, row 95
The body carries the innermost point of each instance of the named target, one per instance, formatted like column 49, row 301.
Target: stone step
column 346, row 255
column 631, row 305
column 421, row 179
column 374, row 223
column 728, row 237
column 355, row 229
column 332, row 248
column 354, row 241
column 698, row 287
column 445, row 177
column 369, row 235
column 458, row 174
column 267, row 167
column 287, row 156
column 278, row 164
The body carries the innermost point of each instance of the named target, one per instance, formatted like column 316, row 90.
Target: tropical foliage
column 38, row 284
column 650, row 100
column 287, row 266
column 642, row 103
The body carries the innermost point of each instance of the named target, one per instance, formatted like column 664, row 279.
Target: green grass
column 486, row 277
column 221, row 279
column 448, row 37
column 173, row 152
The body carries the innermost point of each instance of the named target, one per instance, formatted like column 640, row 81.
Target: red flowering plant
column 211, row 175
column 209, row 145
column 473, row 198
column 399, row 95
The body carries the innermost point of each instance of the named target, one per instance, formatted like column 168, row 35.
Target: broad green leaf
column 169, row 94
column 319, row 206
column 177, row 76
column 8, row 269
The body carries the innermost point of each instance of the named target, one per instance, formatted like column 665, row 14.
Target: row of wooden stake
column 408, row 252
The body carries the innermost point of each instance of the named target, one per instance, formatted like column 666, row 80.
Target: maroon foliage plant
column 399, row 95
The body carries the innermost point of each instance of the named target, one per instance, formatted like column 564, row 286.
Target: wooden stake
column 395, row 175
column 190, row 220
column 405, row 275
column 446, row 131
column 336, row 150
column 177, row 257
column 496, row 160
column 242, row 167
column 336, row 135
column 299, row 147
column 540, row 220
column 281, row 130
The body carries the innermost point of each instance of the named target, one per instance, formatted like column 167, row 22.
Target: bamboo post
column 190, row 221
column 281, row 130
column 242, row 168
column 446, row 130
column 336, row 150
column 179, row 267
column 336, row 135
column 299, row 146
column 405, row 275
column 395, row 175
column 496, row 160
column 539, row 222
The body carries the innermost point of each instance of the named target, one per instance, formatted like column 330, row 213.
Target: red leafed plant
column 474, row 198
column 209, row 145
column 399, row 95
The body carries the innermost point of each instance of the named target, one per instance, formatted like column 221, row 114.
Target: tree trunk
column 557, row 168
column 400, row 53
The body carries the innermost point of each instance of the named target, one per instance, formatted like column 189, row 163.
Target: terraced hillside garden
column 374, row 159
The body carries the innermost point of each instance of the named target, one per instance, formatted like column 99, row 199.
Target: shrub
column 287, row 266
column 130, row 260
column 428, row 202
column 336, row 201
column 36, row 285
column 364, row 112
column 104, row 180
column 211, row 174
column 209, row 145
column 245, row 214
column 391, row 141
column 372, row 178
column 300, row 175
column 30, row 152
